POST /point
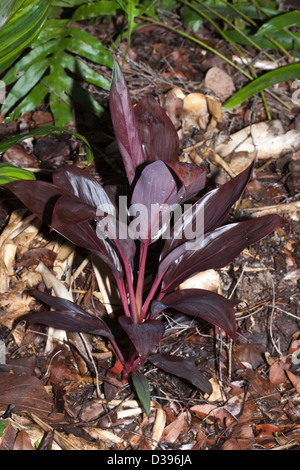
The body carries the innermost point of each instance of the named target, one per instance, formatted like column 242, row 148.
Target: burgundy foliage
column 149, row 146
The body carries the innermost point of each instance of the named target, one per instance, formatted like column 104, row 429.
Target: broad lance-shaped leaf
column 181, row 368
column 68, row 316
column 158, row 135
column 10, row 173
column 201, row 303
column 93, row 201
column 84, row 186
column 216, row 250
column 153, row 195
column 141, row 386
column 144, row 336
column 69, row 210
column 209, row 212
column 125, row 124
column 40, row 198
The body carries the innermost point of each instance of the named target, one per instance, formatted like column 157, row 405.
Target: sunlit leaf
column 10, row 173
column 217, row 249
column 25, row 23
column 282, row 74
column 292, row 18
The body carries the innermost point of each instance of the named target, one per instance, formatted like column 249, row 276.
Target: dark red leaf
column 209, row 212
column 37, row 196
column 181, row 368
column 158, row 135
column 192, row 177
column 201, row 303
column 67, row 316
column 144, row 336
column 84, row 186
column 217, row 249
column 84, row 235
column 125, row 124
column 69, row 210
column 40, row 197
column 153, row 195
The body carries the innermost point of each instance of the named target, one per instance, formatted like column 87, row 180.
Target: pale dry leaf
column 158, row 426
column 267, row 138
column 173, row 430
column 209, row 280
column 60, row 290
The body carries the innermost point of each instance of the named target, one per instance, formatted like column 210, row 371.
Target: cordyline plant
column 88, row 215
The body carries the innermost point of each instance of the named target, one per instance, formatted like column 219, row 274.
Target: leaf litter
column 71, row 397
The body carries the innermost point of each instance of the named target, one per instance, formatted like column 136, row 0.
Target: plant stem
column 123, row 294
column 151, row 294
column 133, row 307
column 141, row 276
column 117, row 351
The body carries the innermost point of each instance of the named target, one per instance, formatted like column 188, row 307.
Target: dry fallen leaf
column 267, row 138
column 173, row 430
column 24, row 392
column 241, row 438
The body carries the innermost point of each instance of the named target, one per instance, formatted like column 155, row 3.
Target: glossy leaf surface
column 154, row 193
column 10, row 173
column 141, row 386
column 68, row 316
column 158, row 134
column 216, row 250
column 268, row 79
column 40, row 197
column 125, row 124
column 210, row 211
column 201, row 303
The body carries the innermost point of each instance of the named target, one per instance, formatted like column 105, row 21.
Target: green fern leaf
column 57, row 64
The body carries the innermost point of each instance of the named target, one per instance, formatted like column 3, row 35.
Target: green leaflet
column 285, row 39
column 94, row 9
column 282, row 74
column 3, row 426
column 45, row 130
column 10, row 173
column 45, row 70
column 285, row 20
column 5, row 10
column 142, row 389
column 21, row 29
